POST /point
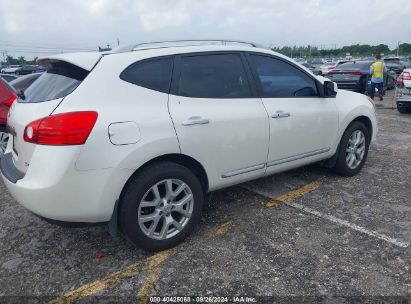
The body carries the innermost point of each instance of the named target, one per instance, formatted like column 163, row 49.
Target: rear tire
column 353, row 149
column 4, row 138
column 403, row 110
column 160, row 206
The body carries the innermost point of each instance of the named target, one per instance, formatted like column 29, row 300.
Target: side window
column 152, row 74
column 280, row 79
column 213, row 76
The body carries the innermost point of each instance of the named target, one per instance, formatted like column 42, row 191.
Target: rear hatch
column 64, row 73
column 348, row 72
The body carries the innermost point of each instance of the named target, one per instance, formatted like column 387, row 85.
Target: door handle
column 195, row 120
column 280, row 114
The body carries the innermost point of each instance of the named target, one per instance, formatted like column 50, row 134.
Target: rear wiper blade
column 21, row 95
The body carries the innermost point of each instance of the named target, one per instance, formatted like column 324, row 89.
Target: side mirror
column 330, row 89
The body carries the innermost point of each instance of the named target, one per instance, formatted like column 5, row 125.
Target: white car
column 403, row 92
column 137, row 136
column 328, row 67
column 10, row 69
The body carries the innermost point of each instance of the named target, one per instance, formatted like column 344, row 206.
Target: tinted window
column 152, row 74
column 355, row 65
column 61, row 79
column 213, row 76
column 23, row 82
column 281, row 79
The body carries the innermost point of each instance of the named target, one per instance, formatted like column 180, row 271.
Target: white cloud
column 152, row 21
column 88, row 23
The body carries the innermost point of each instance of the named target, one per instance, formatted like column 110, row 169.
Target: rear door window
column 280, row 79
column 60, row 80
column 213, row 76
column 154, row 74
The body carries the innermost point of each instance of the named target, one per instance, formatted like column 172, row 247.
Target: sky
column 36, row 28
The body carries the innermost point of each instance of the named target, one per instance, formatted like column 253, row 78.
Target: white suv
column 137, row 136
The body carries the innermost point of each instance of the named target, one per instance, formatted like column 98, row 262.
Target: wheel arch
column 181, row 159
column 366, row 121
column 329, row 163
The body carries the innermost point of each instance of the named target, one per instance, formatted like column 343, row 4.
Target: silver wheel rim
column 165, row 209
column 355, row 149
column 4, row 139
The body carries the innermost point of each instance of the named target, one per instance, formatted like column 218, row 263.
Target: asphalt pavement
column 302, row 236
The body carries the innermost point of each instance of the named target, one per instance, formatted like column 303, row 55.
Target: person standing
column 377, row 72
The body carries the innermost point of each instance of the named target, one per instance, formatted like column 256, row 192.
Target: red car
column 7, row 97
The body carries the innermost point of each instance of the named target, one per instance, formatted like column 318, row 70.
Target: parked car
column 29, row 69
column 7, row 97
column 138, row 137
column 10, row 69
column 403, row 94
column 397, row 68
column 354, row 76
column 23, row 82
column 327, row 67
column 403, row 63
column 8, row 77
column 312, row 68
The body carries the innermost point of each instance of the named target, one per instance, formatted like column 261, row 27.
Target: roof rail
column 178, row 43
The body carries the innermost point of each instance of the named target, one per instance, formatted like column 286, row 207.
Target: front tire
column 353, row 149
column 160, row 206
column 403, row 110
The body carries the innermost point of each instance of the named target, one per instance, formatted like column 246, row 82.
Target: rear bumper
column 403, row 98
column 402, row 103
column 351, row 85
column 53, row 188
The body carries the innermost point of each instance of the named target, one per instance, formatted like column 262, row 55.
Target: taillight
column 399, row 78
column 357, row 73
column 8, row 102
column 406, row 76
column 71, row 128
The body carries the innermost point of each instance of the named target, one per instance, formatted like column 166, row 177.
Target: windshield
column 60, row 80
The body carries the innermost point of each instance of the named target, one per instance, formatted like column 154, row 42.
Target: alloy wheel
column 4, row 138
column 355, row 149
column 165, row 209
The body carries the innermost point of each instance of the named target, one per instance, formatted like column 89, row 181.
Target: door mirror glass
column 330, row 89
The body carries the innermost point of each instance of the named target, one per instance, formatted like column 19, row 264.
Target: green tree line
column 353, row 50
column 292, row 51
column 10, row 60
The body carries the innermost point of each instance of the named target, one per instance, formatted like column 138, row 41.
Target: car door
column 303, row 125
column 219, row 120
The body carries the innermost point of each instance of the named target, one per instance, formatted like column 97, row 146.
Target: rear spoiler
column 85, row 60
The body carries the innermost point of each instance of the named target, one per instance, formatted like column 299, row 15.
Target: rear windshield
column 61, row 79
column 354, row 66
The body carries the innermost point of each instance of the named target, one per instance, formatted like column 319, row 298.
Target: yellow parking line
column 293, row 194
column 154, row 262
column 154, row 270
column 110, row 280
column 223, row 228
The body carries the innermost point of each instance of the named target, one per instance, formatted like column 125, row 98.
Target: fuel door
column 124, row 133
